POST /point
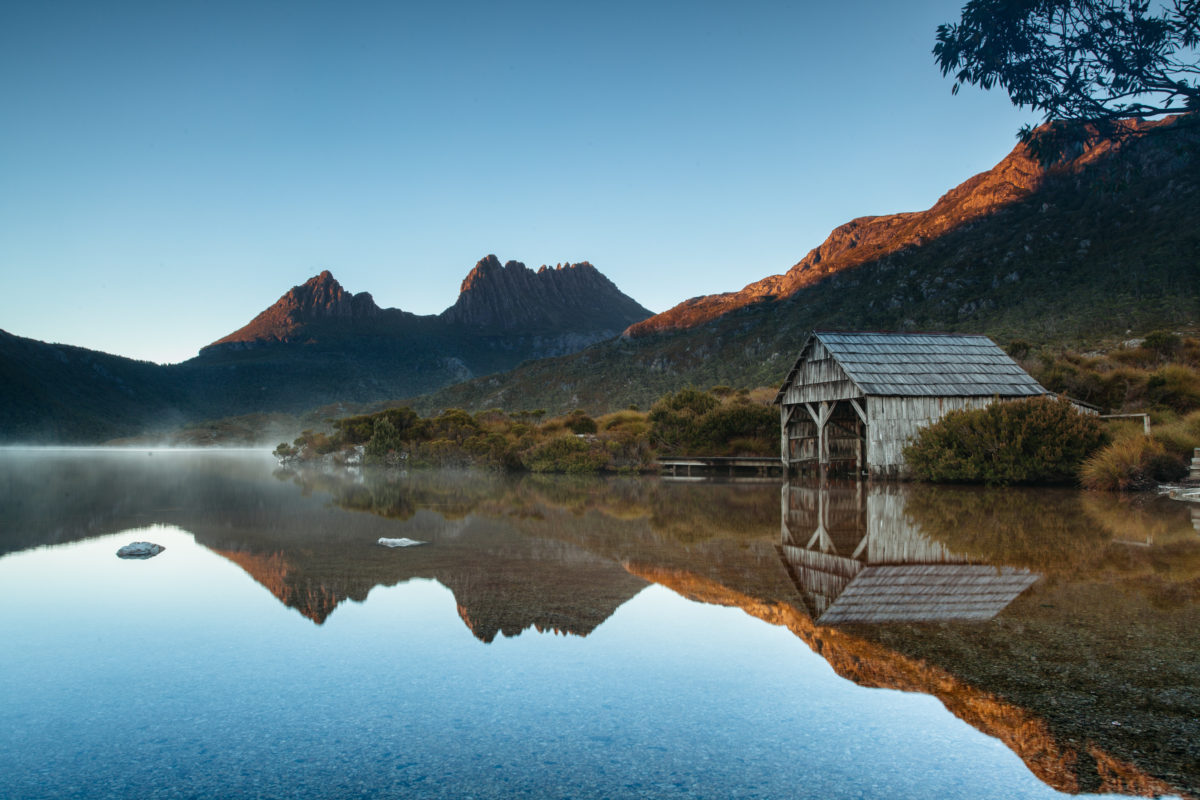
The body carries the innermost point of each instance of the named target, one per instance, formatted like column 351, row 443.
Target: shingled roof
column 924, row 364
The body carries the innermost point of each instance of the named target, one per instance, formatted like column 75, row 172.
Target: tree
column 1087, row 65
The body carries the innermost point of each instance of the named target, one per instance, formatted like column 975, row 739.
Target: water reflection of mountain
column 1105, row 636
column 856, row 557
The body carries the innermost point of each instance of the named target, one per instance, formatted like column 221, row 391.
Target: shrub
column 1182, row 436
column 1019, row 349
column 581, row 423
column 624, row 421
column 1164, row 343
column 385, row 445
column 1175, row 387
column 1037, row 440
column 567, row 454
column 697, row 423
column 454, row 425
column 734, row 427
column 1133, row 463
column 360, row 429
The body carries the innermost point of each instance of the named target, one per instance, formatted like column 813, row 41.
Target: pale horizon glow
column 167, row 171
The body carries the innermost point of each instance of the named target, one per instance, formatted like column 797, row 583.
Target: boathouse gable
column 854, row 400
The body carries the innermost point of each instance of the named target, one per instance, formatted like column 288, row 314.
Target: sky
column 169, row 169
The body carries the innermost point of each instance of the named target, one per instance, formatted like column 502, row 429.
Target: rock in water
column 403, row 542
column 140, row 550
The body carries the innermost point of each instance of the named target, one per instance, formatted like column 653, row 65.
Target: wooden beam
column 785, row 420
column 813, row 413
column 862, row 414
column 822, row 436
column 861, row 546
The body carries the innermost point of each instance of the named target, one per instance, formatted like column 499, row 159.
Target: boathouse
column 854, row 400
column 855, row 556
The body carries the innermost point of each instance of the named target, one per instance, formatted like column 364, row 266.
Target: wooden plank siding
column 854, row 400
column 856, row 557
column 893, row 422
column 819, row 378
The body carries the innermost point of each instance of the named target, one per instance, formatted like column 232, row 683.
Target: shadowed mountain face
column 572, row 302
column 1098, row 630
column 566, row 297
column 318, row 344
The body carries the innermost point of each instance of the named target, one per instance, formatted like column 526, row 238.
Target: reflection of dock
column 855, row 557
column 698, row 467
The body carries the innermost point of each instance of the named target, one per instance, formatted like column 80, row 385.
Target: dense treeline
column 721, row 421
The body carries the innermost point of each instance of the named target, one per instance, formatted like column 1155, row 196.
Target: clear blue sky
column 168, row 169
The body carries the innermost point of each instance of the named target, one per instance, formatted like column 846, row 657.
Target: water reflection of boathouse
column 856, row 557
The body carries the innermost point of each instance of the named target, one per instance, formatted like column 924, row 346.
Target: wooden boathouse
column 854, row 399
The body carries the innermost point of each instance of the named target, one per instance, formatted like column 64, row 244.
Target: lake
column 585, row 638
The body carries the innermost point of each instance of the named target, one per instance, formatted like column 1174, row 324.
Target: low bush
column 1175, row 387
column 577, row 442
column 1037, row 440
column 1163, row 373
column 1128, row 464
column 1180, row 436
column 691, row 422
column 567, row 454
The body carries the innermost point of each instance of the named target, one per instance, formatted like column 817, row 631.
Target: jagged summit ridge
column 319, row 298
column 557, row 309
column 566, row 297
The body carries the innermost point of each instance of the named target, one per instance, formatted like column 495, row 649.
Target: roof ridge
column 817, row 331
column 914, row 364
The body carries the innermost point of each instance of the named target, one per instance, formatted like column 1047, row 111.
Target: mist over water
column 575, row 637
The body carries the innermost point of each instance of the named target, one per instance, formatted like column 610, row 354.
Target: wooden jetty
column 700, row 467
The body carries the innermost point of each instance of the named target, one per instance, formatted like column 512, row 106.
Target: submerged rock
column 402, row 542
column 140, row 550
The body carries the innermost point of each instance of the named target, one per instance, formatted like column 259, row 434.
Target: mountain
column 573, row 304
column 1103, row 244
column 317, row 345
column 321, row 299
column 867, row 239
column 59, row 393
column 567, row 297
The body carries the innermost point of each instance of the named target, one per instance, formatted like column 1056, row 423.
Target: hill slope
column 1106, row 243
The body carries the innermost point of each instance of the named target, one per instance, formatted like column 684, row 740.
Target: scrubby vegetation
column 1136, row 461
column 693, row 422
column 1036, row 440
column 715, row 423
column 1158, row 373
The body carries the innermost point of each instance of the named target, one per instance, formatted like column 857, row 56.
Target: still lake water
column 584, row 638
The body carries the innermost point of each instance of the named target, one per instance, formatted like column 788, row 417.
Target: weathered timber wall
column 892, row 422
column 893, row 537
column 820, row 378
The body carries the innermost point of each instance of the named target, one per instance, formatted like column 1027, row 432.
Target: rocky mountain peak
column 319, row 298
column 567, row 296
